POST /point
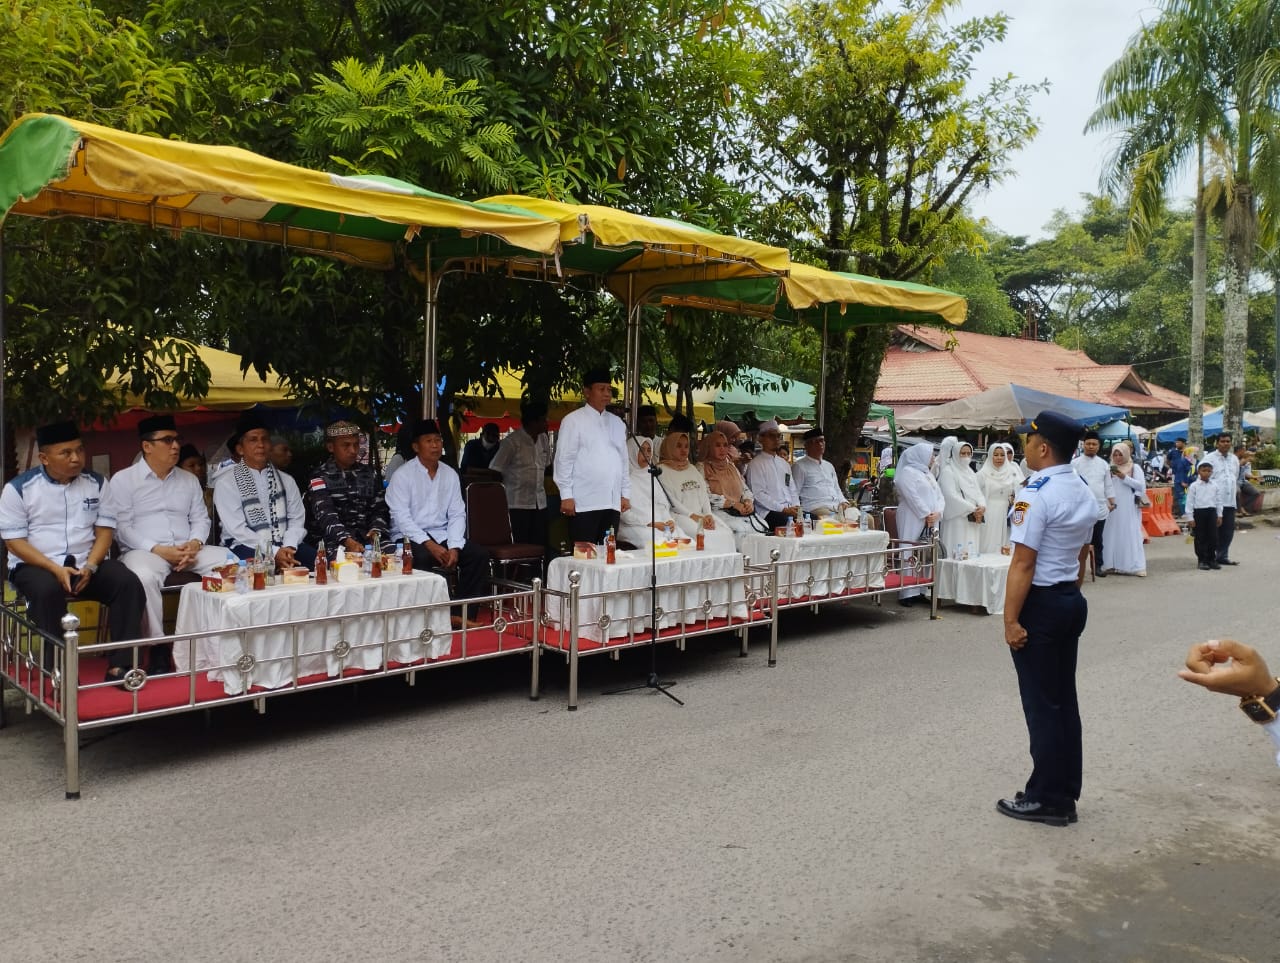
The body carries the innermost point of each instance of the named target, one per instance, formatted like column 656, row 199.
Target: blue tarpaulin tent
column 1005, row 407
column 1168, row 434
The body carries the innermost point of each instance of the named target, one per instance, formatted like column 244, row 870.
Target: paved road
column 836, row 807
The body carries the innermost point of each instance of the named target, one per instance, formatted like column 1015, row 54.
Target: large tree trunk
column 1199, row 270
column 1240, row 229
column 853, row 368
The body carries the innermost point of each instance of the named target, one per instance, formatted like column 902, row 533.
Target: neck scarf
column 722, row 477
column 261, row 520
column 667, row 454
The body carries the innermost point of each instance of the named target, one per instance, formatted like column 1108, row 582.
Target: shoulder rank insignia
column 1039, row 483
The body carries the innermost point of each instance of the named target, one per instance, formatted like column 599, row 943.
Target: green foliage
column 973, row 275
column 866, row 147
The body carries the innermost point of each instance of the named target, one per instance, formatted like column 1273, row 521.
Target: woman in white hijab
column 1122, row 531
column 647, row 516
column 1000, row 479
column 966, row 505
column 688, row 493
column 920, row 503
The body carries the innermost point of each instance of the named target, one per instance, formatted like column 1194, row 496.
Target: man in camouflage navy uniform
column 345, row 504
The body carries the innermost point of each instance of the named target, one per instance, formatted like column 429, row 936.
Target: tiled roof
column 918, row 370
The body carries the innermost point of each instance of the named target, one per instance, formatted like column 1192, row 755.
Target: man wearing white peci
column 161, row 519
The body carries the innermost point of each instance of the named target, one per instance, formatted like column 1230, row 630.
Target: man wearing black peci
column 58, row 539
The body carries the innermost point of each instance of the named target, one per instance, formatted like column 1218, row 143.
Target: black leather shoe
column 1022, row 808
column 1100, row 573
column 1203, row 566
column 1215, row 566
column 1227, row 561
column 909, row 601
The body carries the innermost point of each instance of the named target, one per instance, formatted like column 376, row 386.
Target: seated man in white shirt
column 816, row 480
column 522, row 461
column 770, row 480
column 425, row 498
column 259, row 505
column 58, row 532
column 161, row 519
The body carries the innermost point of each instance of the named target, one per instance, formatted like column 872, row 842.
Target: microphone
column 655, row 470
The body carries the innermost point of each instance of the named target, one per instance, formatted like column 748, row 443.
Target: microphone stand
column 653, row 681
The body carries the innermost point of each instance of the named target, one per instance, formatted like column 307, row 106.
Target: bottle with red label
column 322, row 566
column 610, row 548
column 700, row 539
column 406, row 559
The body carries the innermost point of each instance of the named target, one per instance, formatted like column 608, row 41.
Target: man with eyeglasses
column 58, row 531
column 161, row 519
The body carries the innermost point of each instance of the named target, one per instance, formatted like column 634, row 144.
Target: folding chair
column 489, row 525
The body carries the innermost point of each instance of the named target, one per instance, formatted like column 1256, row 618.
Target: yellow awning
column 511, row 389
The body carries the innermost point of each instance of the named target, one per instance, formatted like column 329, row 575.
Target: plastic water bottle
column 959, row 548
column 366, row 566
column 864, row 521
column 242, row 577
column 968, row 550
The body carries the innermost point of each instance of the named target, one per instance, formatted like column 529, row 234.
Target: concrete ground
column 839, row 806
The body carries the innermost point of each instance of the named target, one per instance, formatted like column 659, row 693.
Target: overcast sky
column 1069, row 43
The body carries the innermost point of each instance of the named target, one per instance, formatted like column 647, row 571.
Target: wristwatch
column 1262, row 709
column 91, row 567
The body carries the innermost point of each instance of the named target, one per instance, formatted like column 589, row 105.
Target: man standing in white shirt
column 770, row 480
column 259, row 504
column 591, row 466
column 1226, row 477
column 816, row 480
column 1097, row 475
column 161, row 519
column 522, row 461
column 425, row 498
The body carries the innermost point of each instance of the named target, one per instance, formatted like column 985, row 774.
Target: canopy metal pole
column 822, row 378
column 631, row 377
column 429, row 343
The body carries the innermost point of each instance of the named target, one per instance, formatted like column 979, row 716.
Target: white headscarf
column 1008, row 473
column 916, row 486
column 1125, row 461
column 916, row 457
column 951, row 461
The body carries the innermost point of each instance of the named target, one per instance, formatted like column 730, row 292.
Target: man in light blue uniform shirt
column 1044, row 615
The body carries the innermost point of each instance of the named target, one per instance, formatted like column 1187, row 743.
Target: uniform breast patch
column 1019, row 514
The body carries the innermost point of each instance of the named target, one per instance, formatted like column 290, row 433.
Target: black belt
column 1056, row 586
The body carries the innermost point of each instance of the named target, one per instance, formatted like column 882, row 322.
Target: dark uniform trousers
column 1226, row 532
column 1206, row 535
column 1054, row 617
column 113, row 584
column 473, row 570
column 591, row 526
column 1097, row 544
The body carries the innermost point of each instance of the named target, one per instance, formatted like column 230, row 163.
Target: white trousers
column 152, row 570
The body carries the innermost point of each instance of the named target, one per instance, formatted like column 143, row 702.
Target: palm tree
column 1203, row 72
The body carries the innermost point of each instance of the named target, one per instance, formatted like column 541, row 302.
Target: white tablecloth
column 200, row 611
column 627, row 608
column 975, row 581
column 828, row 576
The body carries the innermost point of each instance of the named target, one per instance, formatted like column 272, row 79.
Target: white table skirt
column 975, row 581
column 272, row 648
column 627, row 607
column 813, row 553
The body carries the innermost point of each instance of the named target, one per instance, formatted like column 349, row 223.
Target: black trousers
column 529, row 526
column 1097, row 544
column 1054, row 618
column 473, row 570
column 1206, row 534
column 591, row 526
column 113, row 585
column 1226, row 532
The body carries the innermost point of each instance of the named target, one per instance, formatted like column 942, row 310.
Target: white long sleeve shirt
column 1202, row 494
column 591, row 464
column 772, row 483
column 423, row 507
column 230, row 508
column 522, row 462
column 58, row 520
column 1096, row 473
column 1226, row 475
column 151, row 511
column 817, row 484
